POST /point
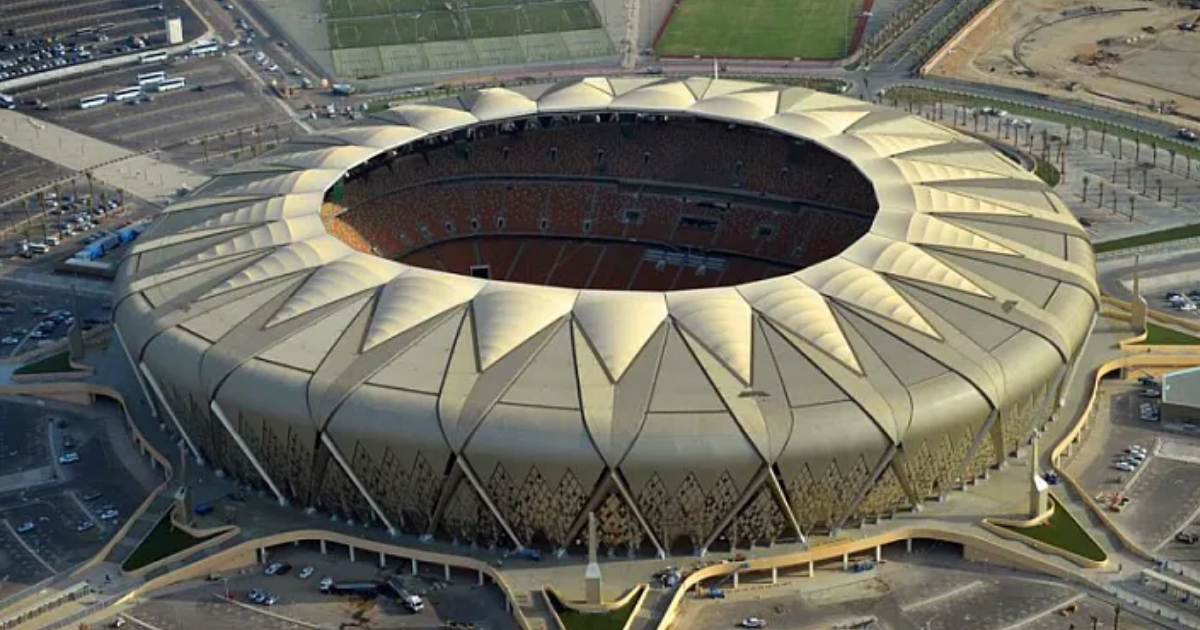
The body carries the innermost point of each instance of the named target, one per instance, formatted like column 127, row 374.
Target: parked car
column 325, row 584
column 305, row 573
column 109, row 515
column 83, row 526
column 273, row 568
column 1124, row 467
column 26, row 527
column 69, row 458
column 1187, row 538
column 754, row 622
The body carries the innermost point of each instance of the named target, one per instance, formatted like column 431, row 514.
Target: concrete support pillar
column 414, row 566
column 323, row 549
column 846, row 561
column 295, row 543
column 351, row 553
column 262, row 555
column 446, row 571
column 878, row 553
column 735, row 579
column 382, row 560
column 908, row 545
column 482, row 578
column 507, row 605
column 811, row 571
column 774, row 575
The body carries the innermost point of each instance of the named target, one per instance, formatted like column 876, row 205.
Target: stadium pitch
column 781, row 29
column 366, row 23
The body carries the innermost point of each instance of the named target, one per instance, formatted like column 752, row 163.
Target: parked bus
column 125, row 94
column 154, row 57
column 150, row 78
column 172, row 84
column 7, row 102
column 209, row 48
column 93, row 101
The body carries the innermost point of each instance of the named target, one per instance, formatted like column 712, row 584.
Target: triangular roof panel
column 618, row 324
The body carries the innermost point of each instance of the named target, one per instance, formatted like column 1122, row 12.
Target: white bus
column 171, row 84
column 150, row 78
column 93, row 101
column 125, row 94
column 154, row 57
column 209, row 48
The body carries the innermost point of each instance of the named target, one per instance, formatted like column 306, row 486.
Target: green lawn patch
column 575, row 620
column 1047, row 172
column 371, row 23
column 162, row 541
column 1157, row 335
column 54, row 364
column 1061, row 530
column 1149, row 238
column 906, row 94
column 782, row 29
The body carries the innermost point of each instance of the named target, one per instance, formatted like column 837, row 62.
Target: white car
column 1124, row 467
column 325, row 584
column 10, row 341
column 305, row 573
column 26, row 527
column 108, row 515
column 273, row 568
column 69, row 458
column 754, row 622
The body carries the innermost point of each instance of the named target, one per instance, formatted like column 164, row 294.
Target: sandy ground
column 1048, row 46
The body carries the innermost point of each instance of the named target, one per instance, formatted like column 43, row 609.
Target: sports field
column 397, row 22
column 781, row 29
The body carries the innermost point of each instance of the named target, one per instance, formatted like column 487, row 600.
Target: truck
column 343, row 89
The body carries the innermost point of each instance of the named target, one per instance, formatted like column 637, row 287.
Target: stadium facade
column 906, row 366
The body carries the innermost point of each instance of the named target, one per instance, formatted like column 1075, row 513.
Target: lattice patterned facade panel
column 501, row 488
column 338, row 494
column 654, row 502
column 922, row 468
column 1018, row 418
column 816, row 496
column 689, row 515
column 959, row 443
column 885, row 497
column 984, row 458
column 617, row 526
column 228, row 455
column 467, row 519
column 545, row 513
column 761, row 521
column 406, row 492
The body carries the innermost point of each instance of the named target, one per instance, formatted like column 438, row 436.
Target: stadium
column 713, row 313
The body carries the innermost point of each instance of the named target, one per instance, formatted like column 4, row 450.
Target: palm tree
column 1137, row 149
column 1172, row 153
column 1103, row 137
column 204, row 147
column 1120, row 149
column 89, row 176
column 1086, row 182
column 1154, row 158
column 1132, row 199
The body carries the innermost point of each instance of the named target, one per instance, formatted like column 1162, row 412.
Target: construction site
column 1136, row 56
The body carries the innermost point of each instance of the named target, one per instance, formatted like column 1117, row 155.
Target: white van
column 38, row 248
column 52, row 241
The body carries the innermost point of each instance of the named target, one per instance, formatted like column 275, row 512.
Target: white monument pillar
column 591, row 576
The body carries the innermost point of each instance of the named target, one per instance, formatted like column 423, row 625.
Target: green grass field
column 808, row 29
column 1062, row 531
column 393, row 24
column 1157, row 335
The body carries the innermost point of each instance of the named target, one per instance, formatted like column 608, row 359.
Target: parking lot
column 23, row 440
column 53, row 527
column 23, row 171
column 301, row 600
column 82, row 31
column 931, row 589
column 227, row 103
column 42, row 316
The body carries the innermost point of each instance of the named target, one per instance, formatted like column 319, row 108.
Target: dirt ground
column 1136, row 59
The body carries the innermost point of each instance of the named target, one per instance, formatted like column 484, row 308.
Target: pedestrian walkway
column 139, row 174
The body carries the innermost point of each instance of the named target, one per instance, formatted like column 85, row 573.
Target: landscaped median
column 1055, row 532
column 54, row 366
column 613, row 616
column 169, row 540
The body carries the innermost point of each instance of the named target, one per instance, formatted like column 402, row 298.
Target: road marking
column 21, row 541
column 87, row 513
column 129, row 617
column 1047, row 612
column 263, row 611
column 939, row 597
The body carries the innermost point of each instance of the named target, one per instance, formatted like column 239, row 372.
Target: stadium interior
column 614, row 202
